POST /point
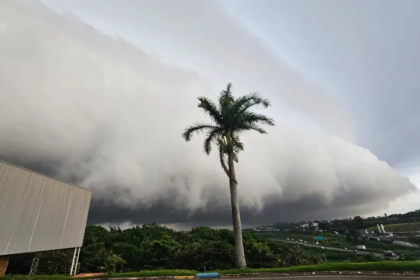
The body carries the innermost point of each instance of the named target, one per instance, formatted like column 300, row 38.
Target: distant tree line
column 356, row 223
column 151, row 247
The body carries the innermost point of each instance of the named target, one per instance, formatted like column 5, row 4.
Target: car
column 355, row 250
column 389, row 254
column 345, row 248
column 322, row 247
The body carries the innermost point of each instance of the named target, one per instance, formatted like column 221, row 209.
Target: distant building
column 305, row 226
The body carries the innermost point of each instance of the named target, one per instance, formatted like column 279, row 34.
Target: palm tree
column 230, row 117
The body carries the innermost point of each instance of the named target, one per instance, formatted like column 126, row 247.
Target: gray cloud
column 99, row 112
column 366, row 52
column 215, row 41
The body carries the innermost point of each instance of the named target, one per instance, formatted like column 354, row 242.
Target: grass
column 144, row 273
column 152, row 273
column 394, row 266
column 413, row 266
column 35, row 277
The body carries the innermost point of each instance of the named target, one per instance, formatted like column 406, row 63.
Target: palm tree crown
column 229, row 119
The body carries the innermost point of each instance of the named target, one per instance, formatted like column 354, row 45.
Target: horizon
column 185, row 228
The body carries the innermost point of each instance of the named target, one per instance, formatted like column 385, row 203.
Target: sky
column 97, row 93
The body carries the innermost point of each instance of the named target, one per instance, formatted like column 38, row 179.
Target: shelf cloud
column 99, row 112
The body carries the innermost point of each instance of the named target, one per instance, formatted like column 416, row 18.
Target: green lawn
column 389, row 266
column 413, row 266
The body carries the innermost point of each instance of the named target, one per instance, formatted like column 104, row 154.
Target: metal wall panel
column 38, row 213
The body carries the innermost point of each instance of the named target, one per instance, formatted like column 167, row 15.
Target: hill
column 396, row 223
column 399, row 227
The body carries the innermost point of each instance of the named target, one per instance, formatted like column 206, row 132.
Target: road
column 336, row 249
column 335, row 277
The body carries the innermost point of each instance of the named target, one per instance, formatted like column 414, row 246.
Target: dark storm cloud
column 96, row 111
column 275, row 209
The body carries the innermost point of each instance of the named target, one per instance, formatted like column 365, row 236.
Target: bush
column 111, row 263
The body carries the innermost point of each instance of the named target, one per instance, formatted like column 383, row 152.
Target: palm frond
column 196, row 128
column 226, row 99
column 210, row 108
column 222, row 145
column 249, row 118
column 237, row 145
column 227, row 92
column 211, row 138
column 243, row 103
column 234, row 146
column 223, row 151
column 255, row 128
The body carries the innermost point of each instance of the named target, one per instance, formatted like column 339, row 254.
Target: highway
column 335, row 248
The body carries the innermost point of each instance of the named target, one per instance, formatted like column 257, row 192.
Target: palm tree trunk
column 236, row 216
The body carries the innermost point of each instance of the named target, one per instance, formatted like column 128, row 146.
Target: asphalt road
column 336, row 249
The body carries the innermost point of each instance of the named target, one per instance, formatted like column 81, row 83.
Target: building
column 306, row 226
column 39, row 213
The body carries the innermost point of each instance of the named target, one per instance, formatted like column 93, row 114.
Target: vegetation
column 229, row 119
column 156, row 249
column 395, row 223
column 111, row 263
column 334, row 240
column 364, row 266
column 350, row 232
column 153, row 247
column 394, row 266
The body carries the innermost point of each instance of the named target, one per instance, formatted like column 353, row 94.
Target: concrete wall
column 38, row 213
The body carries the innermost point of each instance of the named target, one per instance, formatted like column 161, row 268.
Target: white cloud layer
column 101, row 112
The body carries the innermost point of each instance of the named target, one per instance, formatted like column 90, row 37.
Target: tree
column 311, row 226
column 358, row 222
column 323, row 226
column 353, row 233
column 229, row 119
column 111, row 263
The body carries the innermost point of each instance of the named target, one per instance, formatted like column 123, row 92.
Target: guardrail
column 207, row 275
